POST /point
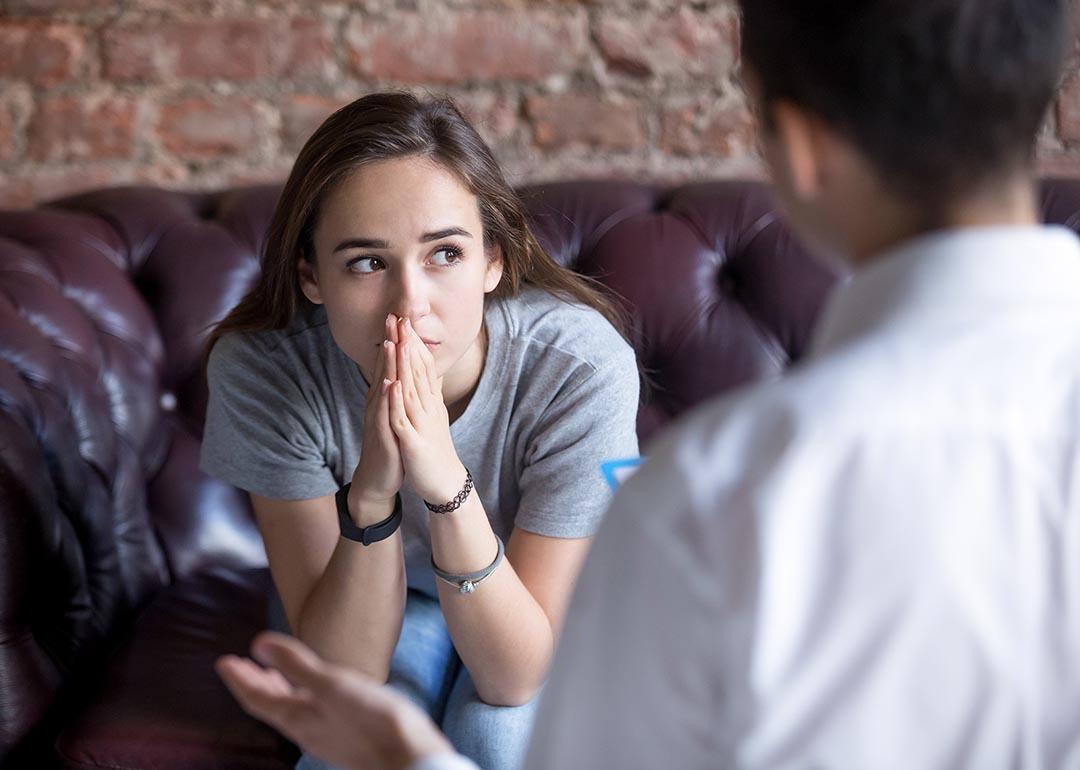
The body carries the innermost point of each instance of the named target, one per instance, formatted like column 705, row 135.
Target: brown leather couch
column 125, row 571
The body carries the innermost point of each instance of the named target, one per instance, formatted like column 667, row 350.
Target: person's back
column 902, row 532
column 874, row 562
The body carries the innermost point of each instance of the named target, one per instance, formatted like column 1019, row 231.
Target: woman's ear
column 494, row 270
column 309, row 284
column 804, row 142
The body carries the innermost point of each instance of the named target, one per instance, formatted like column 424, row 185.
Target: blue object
column 617, row 471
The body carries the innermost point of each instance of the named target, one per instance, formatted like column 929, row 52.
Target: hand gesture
column 336, row 714
column 420, row 421
column 379, row 473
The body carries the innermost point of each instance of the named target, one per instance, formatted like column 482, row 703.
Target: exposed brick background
column 208, row 93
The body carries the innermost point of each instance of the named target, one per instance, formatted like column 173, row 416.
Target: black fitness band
column 365, row 535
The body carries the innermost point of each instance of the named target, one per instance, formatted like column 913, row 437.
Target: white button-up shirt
column 873, row 562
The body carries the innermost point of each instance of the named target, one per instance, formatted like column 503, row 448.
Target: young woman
column 418, row 399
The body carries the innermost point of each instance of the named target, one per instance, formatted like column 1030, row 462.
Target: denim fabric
column 426, row 668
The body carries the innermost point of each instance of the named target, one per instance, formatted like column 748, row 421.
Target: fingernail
column 408, row 324
column 386, row 344
column 385, row 385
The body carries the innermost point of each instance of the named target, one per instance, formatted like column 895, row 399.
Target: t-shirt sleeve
column 262, row 432
column 591, row 420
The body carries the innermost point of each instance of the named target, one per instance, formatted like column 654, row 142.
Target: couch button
column 167, row 401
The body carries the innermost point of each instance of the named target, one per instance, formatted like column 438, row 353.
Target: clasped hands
column 406, row 427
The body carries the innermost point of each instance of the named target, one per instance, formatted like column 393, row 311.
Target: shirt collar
column 979, row 269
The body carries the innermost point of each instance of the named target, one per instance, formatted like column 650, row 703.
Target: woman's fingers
column 377, row 376
column 406, row 371
column 385, row 360
column 382, row 415
column 416, row 360
column 378, row 409
column 391, row 357
column 391, row 325
column 399, row 415
column 424, row 361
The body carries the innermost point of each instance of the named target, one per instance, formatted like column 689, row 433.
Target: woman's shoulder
column 538, row 318
column 271, row 349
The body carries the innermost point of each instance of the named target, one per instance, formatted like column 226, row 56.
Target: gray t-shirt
column 558, row 396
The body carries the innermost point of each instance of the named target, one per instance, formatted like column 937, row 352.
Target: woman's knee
column 495, row 737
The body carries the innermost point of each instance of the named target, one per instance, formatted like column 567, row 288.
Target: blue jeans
column 426, row 668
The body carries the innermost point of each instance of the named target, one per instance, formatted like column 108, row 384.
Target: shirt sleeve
column 262, row 432
column 638, row 680
column 591, row 420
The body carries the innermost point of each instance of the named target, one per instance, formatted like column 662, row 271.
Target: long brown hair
column 394, row 125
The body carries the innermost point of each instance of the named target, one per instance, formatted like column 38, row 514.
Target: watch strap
column 369, row 534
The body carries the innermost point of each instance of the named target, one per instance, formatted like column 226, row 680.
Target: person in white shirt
column 875, row 561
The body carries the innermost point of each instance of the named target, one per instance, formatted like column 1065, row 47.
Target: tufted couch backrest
column 106, row 298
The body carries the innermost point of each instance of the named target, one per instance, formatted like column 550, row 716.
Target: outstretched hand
column 336, row 714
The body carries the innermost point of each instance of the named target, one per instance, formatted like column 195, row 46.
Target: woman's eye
column 366, row 265
column 446, row 257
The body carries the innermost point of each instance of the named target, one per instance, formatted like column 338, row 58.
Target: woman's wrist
column 366, row 510
column 448, row 485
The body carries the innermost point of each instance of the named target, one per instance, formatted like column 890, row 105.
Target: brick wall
column 208, row 93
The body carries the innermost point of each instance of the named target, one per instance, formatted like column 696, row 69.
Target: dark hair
column 942, row 96
column 395, row 125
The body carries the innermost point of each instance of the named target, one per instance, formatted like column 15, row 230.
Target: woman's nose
column 412, row 300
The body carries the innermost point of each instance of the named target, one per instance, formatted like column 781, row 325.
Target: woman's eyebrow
column 361, row 243
column 445, row 233
column 375, row 243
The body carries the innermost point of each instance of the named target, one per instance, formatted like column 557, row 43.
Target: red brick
column 52, row 6
column 56, row 183
column 7, row 134
column 273, row 173
column 584, row 119
column 1047, row 141
column 1068, row 110
column 15, row 194
column 227, row 49
column 707, row 128
column 43, row 54
column 66, row 128
column 466, row 46
column 301, row 114
column 1072, row 58
column 702, row 44
column 495, row 116
column 199, row 129
column 1058, row 164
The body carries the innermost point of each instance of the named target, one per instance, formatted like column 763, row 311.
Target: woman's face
column 402, row 236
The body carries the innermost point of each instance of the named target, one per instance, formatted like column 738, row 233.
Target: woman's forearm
column 500, row 631
column 354, row 612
